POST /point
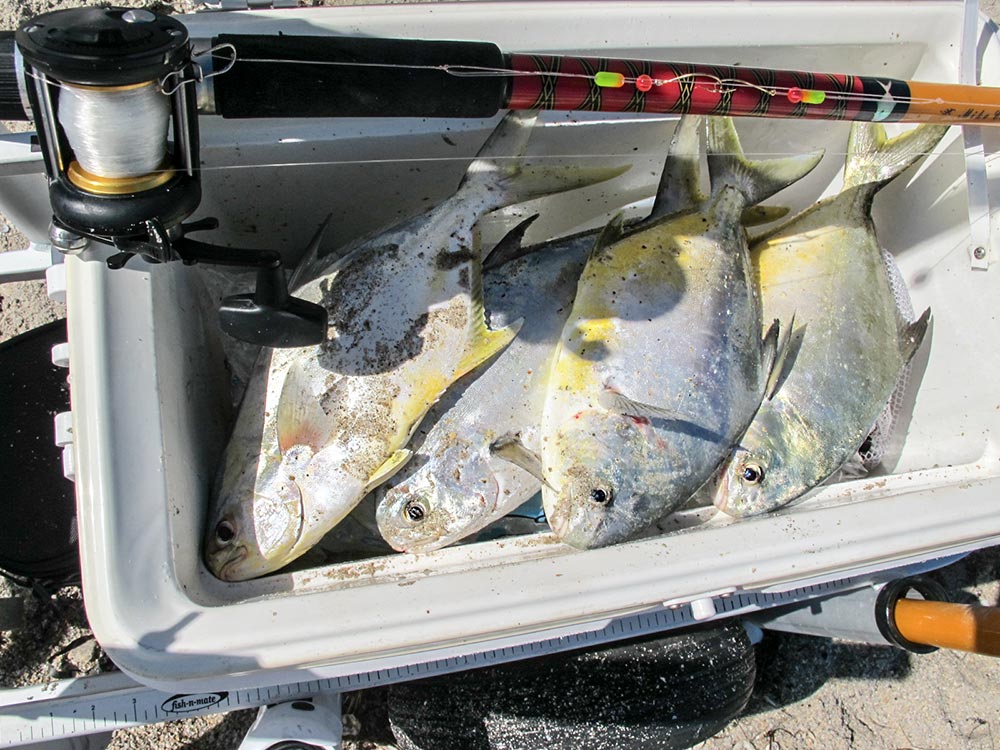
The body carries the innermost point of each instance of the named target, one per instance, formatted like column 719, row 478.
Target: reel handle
column 270, row 315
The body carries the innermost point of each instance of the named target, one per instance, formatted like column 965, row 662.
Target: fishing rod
column 116, row 93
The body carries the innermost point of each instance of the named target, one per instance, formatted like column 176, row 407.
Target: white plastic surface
column 64, row 428
column 315, row 722
column 55, row 282
column 25, row 265
column 60, row 354
column 69, row 463
column 149, row 388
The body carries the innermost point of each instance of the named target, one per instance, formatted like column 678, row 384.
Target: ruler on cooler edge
column 105, row 702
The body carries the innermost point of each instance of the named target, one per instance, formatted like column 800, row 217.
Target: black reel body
column 112, row 91
column 89, row 58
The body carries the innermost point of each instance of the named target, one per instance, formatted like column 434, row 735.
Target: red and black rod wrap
column 296, row 76
column 682, row 88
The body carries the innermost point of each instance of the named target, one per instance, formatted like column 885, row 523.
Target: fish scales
column 661, row 364
column 824, row 269
column 407, row 320
column 456, row 486
column 687, row 363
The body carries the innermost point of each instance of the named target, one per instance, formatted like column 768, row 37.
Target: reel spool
column 113, row 97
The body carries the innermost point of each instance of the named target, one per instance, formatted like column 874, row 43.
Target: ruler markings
column 19, row 720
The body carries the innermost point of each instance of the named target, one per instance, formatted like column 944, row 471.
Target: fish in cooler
column 661, row 364
column 321, row 426
column 825, row 269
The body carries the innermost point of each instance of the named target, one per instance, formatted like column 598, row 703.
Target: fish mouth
column 558, row 523
column 558, row 518
column 236, row 555
column 721, row 497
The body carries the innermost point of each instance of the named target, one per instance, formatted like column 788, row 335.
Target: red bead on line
column 644, row 82
column 794, row 95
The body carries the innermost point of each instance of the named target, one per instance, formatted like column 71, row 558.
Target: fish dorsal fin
column 388, row 469
column 874, row 159
column 311, row 254
column 756, row 180
column 510, row 247
column 300, row 419
column 510, row 448
column 619, row 403
column 911, row 335
column 609, row 235
column 680, row 183
column 482, row 343
column 498, row 176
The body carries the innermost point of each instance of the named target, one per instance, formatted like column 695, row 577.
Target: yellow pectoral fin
column 383, row 473
column 486, row 344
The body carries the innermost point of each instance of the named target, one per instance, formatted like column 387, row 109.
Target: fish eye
column 224, row 532
column 415, row 511
column 752, row 473
column 600, row 496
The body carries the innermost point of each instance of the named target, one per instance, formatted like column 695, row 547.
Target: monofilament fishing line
column 116, row 131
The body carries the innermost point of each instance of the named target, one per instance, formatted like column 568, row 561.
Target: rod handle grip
column 292, row 76
column 966, row 627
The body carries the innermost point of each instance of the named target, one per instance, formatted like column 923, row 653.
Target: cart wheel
column 38, row 510
column 663, row 692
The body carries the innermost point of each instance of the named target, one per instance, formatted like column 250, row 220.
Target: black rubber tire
column 38, row 537
column 667, row 692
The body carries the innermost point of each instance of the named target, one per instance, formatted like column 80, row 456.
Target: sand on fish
column 810, row 692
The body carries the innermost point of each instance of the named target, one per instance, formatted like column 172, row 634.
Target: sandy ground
column 810, row 692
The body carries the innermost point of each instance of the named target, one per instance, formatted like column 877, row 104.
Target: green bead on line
column 608, row 79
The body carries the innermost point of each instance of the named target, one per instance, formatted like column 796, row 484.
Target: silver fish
column 321, row 426
column 457, row 485
column 824, row 268
column 661, row 363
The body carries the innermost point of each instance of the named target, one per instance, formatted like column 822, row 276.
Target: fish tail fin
column 756, row 180
column 874, row 159
column 756, row 215
column 679, row 188
column 498, row 170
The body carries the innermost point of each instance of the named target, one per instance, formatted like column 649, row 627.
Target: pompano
column 455, row 485
column 825, row 268
column 320, row 426
column 661, row 364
